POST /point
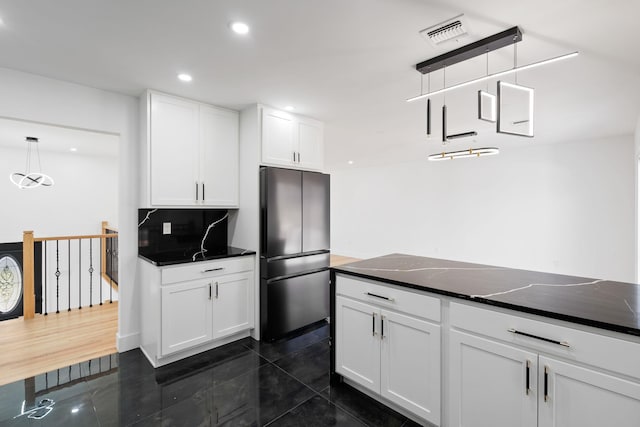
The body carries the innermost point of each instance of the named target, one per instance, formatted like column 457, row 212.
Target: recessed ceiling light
column 185, row 77
column 240, row 27
column 74, row 149
column 289, row 108
column 350, row 162
column 75, row 410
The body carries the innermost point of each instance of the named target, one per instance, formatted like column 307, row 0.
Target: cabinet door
column 410, row 365
column 581, row 397
column 186, row 315
column 488, row 383
column 310, row 145
column 232, row 308
column 277, row 137
column 173, row 151
column 358, row 342
column 219, row 157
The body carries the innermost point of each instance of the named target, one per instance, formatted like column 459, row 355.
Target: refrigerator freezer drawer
column 271, row 268
column 294, row 303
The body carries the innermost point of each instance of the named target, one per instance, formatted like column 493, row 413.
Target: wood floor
column 36, row 346
column 337, row 260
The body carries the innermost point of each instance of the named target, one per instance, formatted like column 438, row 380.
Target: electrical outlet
column 166, row 228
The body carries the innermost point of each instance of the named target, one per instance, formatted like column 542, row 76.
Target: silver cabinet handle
column 216, row 290
column 294, row 156
column 382, row 326
column 197, row 191
column 546, row 383
column 373, row 324
column 212, row 269
column 527, row 384
column 209, row 290
column 298, row 157
column 203, row 191
column 525, row 334
column 379, row 296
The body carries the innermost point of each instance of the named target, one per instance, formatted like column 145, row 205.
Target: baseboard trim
column 127, row 342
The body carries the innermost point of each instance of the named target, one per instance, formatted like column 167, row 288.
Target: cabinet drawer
column 614, row 354
column 389, row 296
column 200, row 270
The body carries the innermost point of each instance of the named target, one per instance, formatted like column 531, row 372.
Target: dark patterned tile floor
column 245, row 383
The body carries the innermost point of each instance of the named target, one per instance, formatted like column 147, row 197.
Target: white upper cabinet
column 291, row 141
column 219, row 156
column 277, row 137
column 310, row 144
column 191, row 153
column 173, row 151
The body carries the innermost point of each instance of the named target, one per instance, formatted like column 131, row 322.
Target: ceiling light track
column 488, row 44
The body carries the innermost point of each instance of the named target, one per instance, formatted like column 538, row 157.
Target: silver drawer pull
column 379, row 296
column 562, row 343
column 212, row 269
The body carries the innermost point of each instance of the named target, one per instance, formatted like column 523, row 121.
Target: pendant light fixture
column 30, row 179
column 471, row 152
column 487, row 101
column 428, row 102
column 488, row 44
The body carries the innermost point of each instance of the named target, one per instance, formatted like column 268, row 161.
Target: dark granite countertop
column 162, row 259
column 595, row 302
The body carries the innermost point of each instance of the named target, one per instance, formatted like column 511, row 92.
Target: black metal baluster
column 79, row 274
column 101, row 272
column 45, row 278
column 57, row 276
column 69, row 266
column 90, row 272
column 111, row 272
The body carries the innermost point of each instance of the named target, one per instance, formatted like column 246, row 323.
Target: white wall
column 85, row 194
column 636, row 161
column 561, row 208
column 30, row 97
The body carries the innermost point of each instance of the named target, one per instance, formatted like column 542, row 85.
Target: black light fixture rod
column 462, row 135
column 488, row 44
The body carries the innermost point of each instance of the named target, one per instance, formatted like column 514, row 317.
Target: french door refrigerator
column 294, row 246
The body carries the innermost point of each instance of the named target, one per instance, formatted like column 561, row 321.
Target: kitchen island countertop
column 599, row 303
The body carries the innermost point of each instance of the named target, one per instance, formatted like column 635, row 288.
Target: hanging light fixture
column 30, row 179
column 505, row 38
column 471, row 152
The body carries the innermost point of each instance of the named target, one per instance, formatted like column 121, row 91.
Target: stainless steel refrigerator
column 294, row 259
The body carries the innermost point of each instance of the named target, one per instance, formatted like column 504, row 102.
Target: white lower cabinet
column 491, row 384
column 232, row 310
column 574, row 396
column 357, row 342
column 410, row 364
column 392, row 354
column 186, row 316
column 494, row 383
column 190, row 308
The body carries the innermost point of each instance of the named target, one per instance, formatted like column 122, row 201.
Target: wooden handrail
column 86, row 236
column 29, row 295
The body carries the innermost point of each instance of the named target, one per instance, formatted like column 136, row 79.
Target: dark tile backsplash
column 188, row 227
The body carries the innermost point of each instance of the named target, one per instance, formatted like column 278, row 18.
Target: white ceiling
column 57, row 138
column 348, row 63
